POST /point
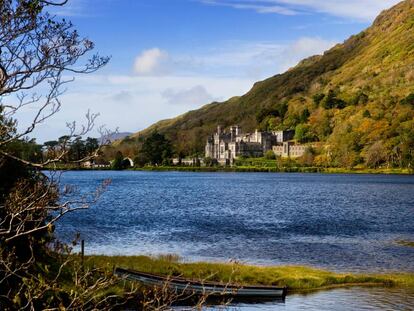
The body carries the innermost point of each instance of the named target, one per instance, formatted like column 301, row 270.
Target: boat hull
column 203, row 288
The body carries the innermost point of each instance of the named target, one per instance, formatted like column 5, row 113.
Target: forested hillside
column 358, row 98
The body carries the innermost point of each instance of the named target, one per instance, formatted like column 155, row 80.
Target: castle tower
column 234, row 130
column 238, row 130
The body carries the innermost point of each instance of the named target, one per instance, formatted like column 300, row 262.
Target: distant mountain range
column 354, row 96
column 118, row 136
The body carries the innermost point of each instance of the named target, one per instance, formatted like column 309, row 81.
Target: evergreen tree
column 156, row 148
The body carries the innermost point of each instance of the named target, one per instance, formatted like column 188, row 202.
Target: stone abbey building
column 225, row 147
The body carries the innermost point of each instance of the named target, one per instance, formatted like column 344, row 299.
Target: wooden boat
column 203, row 288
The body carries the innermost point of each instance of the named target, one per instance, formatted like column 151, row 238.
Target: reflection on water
column 349, row 299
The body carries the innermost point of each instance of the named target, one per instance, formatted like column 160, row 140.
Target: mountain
column 355, row 97
column 117, row 136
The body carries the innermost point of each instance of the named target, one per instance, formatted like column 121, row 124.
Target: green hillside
column 355, row 98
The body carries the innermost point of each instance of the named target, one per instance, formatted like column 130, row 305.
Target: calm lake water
column 338, row 222
column 351, row 299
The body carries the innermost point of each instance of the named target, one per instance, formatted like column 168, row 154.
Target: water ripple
column 339, row 222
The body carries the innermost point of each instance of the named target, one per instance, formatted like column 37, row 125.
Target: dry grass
column 296, row 278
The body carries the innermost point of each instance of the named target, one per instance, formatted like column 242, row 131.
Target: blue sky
column 171, row 56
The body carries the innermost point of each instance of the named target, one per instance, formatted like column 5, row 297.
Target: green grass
column 358, row 170
column 274, row 169
column 296, row 278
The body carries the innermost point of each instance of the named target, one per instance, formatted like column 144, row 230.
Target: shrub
column 409, row 100
column 270, row 155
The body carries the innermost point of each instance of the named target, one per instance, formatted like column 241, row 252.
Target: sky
column 172, row 56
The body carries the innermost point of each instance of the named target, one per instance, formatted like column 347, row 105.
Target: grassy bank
column 261, row 165
column 296, row 278
column 261, row 169
column 247, row 169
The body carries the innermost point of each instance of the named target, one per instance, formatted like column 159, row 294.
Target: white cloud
column 363, row 10
column 258, row 60
column 194, row 96
column 152, row 62
column 148, row 102
column 252, row 5
column 133, row 102
column 303, row 48
column 252, row 60
column 122, row 97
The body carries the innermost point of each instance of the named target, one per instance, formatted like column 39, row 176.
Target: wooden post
column 82, row 253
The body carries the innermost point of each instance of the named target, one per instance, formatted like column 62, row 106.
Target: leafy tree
column 118, row 161
column 274, row 123
column 51, row 148
column 345, row 144
column 27, row 149
column 156, row 148
column 208, row 162
column 267, row 113
column 304, row 116
column 91, row 144
column 167, row 162
column 77, row 150
column 303, row 133
column 140, row 160
column 375, row 154
column 52, row 144
column 37, row 272
column 320, row 124
column 331, row 101
column 404, row 148
column 308, row 157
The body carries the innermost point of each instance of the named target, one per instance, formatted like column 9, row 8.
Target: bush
column 317, row 98
column 366, row 114
column 359, row 98
column 117, row 162
column 140, row 160
column 302, row 133
column 270, row 155
column 409, row 100
column 331, row 101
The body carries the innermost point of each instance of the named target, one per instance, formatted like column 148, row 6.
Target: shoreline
column 252, row 169
column 298, row 279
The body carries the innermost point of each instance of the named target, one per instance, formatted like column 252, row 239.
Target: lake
column 337, row 222
column 345, row 299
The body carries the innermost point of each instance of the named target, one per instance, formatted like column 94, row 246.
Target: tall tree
column 156, row 148
column 36, row 50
